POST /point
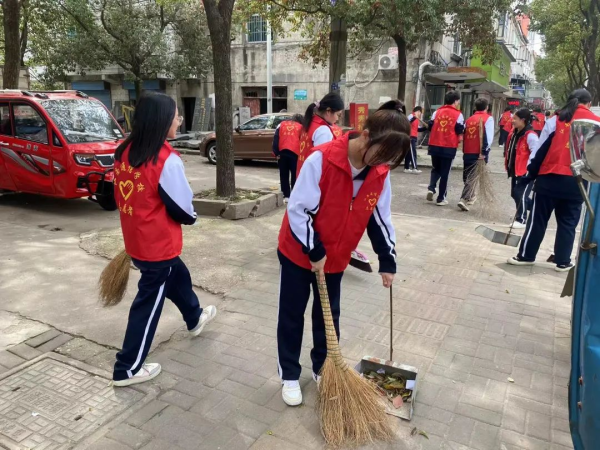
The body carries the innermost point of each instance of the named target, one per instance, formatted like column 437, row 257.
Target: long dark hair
column 390, row 129
column 154, row 114
column 331, row 101
column 577, row 97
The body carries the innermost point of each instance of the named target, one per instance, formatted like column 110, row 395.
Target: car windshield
column 82, row 120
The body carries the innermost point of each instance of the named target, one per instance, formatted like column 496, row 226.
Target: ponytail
column 577, row 97
column 331, row 101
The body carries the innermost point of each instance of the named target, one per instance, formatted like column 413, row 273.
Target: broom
column 348, row 405
column 479, row 180
column 113, row 279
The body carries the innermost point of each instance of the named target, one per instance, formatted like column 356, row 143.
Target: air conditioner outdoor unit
column 388, row 62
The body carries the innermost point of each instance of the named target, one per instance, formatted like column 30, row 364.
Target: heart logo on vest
column 126, row 188
column 372, row 201
column 443, row 123
column 471, row 130
column 302, row 145
column 290, row 128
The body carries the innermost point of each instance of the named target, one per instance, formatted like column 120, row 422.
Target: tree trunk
column 24, row 31
column 219, row 23
column 12, row 44
column 338, row 40
column 139, row 87
column 402, row 66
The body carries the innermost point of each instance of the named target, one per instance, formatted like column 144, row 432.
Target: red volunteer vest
column 341, row 221
column 414, row 126
column 506, row 117
column 473, row 126
column 538, row 125
column 508, row 125
column 442, row 133
column 148, row 231
column 522, row 154
column 306, row 139
column 558, row 159
column 289, row 136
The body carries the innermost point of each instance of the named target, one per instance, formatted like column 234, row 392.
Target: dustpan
column 389, row 367
column 499, row 237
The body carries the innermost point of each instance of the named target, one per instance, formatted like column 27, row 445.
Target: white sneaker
column 515, row 261
column 564, row 267
column 472, row 201
column 430, row 195
column 463, row 205
column 417, row 171
column 408, row 171
column 285, row 200
column 291, row 392
column 442, row 203
column 518, row 225
column 146, row 373
column 208, row 314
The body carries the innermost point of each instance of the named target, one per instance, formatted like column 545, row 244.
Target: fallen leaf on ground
column 511, row 380
column 270, row 433
column 422, row 433
column 507, row 291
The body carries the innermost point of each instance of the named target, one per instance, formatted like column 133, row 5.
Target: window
column 456, row 45
column 257, row 29
column 29, row 124
column 278, row 119
column 5, row 127
column 502, row 26
column 82, row 120
column 260, row 123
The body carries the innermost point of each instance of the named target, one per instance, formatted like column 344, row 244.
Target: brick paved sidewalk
column 462, row 316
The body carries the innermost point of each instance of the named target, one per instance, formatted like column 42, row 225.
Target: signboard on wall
column 358, row 115
column 244, row 114
column 300, row 94
column 202, row 111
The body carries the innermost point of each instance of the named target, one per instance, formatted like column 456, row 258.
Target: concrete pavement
column 467, row 320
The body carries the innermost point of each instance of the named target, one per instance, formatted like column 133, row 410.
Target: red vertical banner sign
column 362, row 111
column 353, row 115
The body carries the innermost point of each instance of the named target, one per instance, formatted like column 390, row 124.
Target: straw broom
column 113, row 280
column 479, row 180
column 348, row 405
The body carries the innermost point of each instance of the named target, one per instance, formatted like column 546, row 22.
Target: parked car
column 58, row 143
column 251, row 140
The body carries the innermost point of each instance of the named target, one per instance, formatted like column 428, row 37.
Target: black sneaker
column 516, row 261
column 564, row 267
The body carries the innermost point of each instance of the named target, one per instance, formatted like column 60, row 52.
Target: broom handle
column 391, row 326
column 333, row 346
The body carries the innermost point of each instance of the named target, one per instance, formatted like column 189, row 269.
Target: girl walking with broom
column 555, row 187
column 521, row 143
column 154, row 199
column 343, row 189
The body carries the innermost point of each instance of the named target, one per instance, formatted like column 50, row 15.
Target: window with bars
column 257, row 29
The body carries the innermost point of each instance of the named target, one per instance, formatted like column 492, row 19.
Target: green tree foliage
column 572, row 37
column 142, row 37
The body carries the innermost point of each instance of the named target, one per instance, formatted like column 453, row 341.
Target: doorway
column 256, row 99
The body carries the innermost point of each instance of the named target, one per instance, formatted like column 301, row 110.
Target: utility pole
column 269, row 67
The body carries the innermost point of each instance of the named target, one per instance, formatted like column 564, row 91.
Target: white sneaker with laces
column 291, row 392
column 518, row 225
column 146, row 373
column 442, row 203
column 408, row 171
column 208, row 314
column 417, row 171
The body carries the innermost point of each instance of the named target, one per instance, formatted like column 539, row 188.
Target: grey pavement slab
column 467, row 320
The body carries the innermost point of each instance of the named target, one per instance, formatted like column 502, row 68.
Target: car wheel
column 211, row 153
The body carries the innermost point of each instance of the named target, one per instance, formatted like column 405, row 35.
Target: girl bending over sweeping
column 343, row 189
column 154, row 199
